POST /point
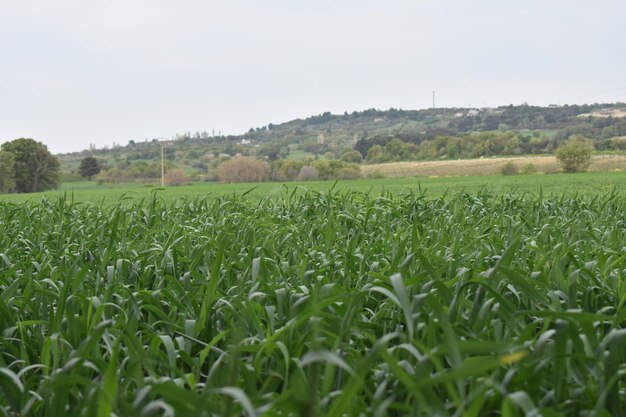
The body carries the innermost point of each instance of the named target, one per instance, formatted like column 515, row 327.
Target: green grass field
column 553, row 183
column 321, row 302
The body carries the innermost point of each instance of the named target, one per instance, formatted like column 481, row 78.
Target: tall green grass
column 315, row 303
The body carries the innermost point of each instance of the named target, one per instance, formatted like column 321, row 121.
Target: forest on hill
column 375, row 135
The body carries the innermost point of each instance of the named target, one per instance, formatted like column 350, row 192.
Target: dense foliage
column 7, row 172
column 89, row 167
column 315, row 304
column 426, row 134
column 34, row 168
column 574, row 155
column 314, row 169
column 243, row 169
column 473, row 145
column 133, row 171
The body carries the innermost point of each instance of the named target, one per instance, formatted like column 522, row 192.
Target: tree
column 7, row 172
column 177, row 177
column 35, row 169
column 574, row 155
column 271, row 150
column 375, row 153
column 352, row 156
column 89, row 167
column 308, row 173
column 242, row 169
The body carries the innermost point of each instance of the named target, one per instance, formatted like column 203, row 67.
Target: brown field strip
column 485, row 166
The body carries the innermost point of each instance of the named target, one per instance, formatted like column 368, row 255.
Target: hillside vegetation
column 378, row 136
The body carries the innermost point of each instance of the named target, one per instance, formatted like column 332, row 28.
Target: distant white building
column 245, row 141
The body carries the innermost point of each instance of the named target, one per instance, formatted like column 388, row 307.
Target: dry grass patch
column 605, row 113
column 485, row 166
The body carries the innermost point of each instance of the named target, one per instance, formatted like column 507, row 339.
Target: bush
column 351, row 172
column 376, row 175
column 529, row 169
column 618, row 143
column 509, row 169
column 177, row 177
column 354, row 157
column 334, row 168
column 242, row 169
column 375, row 154
column 574, row 155
column 308, row 173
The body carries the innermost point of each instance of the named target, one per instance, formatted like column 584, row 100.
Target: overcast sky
column 75, row 72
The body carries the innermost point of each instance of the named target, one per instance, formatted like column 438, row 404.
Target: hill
column 439, row 133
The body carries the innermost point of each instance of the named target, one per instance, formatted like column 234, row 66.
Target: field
column 617, row 113
column 500, row 300
column 485, row 166
column 569, row 184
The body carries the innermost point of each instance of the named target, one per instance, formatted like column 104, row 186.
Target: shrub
column 376, row 175
column 177, row 177
column 351, row 172
column 242, row 169
column 618, row 143
column 529, row 169
column 509, row 169
column 308, row 173
column 375, row 154
column 574, row 155
column 335, row 168
column 354, row 157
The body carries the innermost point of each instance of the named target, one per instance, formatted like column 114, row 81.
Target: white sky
column 74, row 72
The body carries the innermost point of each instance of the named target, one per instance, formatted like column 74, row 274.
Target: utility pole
column 162, row 168
column 163, row 140
column 433, row 99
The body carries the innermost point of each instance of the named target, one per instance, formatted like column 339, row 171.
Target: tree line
column 474, row 145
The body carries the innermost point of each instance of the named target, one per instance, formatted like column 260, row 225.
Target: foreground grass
column 560, row 184
column 310, row 304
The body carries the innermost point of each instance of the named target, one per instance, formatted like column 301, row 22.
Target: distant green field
column 548, row 184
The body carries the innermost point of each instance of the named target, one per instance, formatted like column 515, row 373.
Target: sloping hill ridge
column 335, row 133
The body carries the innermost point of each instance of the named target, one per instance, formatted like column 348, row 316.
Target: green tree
column 375, row 153
column 7, row 172
column 352, row 156
column 574, row 155
column 395, row 149
column 89, row 167
column 35, row 169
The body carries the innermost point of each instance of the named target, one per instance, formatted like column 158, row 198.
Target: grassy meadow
column 569, row 184
column 475, row 296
